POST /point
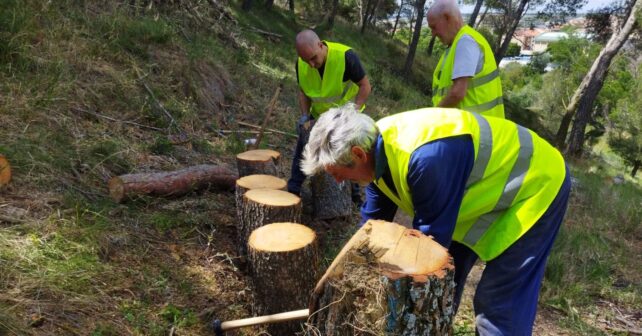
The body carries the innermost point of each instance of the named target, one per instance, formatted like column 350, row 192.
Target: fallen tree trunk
column 172, row 183
column 284, row 263
column 387, row 280
column 5, row 171
column 258, row 161
column 264, row 206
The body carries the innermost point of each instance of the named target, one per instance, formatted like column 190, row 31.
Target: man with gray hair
column 466, row 76
column 484, row 187
column 329, row 75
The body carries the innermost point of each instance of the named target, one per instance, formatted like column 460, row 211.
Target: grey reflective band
column 511, row 188
column 485, row 106
column 475, row 82
column 330, row 100
column 484, row 151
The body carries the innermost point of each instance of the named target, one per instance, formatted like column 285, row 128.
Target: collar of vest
column 381, row 160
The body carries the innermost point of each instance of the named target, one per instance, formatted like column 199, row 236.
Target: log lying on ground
column 284, row 262
column 331, row 199
column 265, row 206
column 258, row 161
column 172, row 183
column 258, row 181
column 387, row 280
column 5, row 171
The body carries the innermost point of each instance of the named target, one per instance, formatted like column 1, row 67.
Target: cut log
column 265, row 206
column 172, row 183
column 387, row 280
column 258, row 181
column 331, row 199
column 284, row 261
column 258, row 161
column 5, row 171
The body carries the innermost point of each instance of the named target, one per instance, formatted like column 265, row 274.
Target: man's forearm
column 304, row 103
column 364, row 92
column 456, row 94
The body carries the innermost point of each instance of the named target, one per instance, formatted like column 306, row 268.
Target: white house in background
column 541, row 41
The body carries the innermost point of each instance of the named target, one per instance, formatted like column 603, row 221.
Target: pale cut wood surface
column 271, row 197
column 281, row 237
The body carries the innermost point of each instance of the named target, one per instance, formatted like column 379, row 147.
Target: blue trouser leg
column 464, row 259
column 506, row 297
column 297, row 176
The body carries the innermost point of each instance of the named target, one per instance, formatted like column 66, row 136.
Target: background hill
column 95, row 89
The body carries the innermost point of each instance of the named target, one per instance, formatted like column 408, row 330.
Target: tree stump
column 331, row 199
column 258, row 161
column 172, row 183
column 5, row 171
column 257, row 181
column 387, row 280
column 265, row 206
column 284, row 261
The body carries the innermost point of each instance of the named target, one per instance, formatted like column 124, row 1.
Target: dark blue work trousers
column 506, row 297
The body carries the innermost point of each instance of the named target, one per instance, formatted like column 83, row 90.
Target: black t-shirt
column 354, row 70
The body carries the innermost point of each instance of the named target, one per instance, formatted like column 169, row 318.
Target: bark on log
column 264, row 206
column 387, row 280
column 5, row 171
column 172, row 183
column 284, row 261
column 258, row 181
column 331, row 199
column 258, row 161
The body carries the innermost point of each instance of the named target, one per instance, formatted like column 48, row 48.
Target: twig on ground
column 267, row 129
column 116, row 120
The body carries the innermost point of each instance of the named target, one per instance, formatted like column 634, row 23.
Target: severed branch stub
column 5, row 171
column 171, row 183
column 387, row 280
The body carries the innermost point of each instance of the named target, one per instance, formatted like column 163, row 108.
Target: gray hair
column 334, row 135
column 441, row 7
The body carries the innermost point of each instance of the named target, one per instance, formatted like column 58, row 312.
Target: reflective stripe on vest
column 512, row 186
column 472, row 83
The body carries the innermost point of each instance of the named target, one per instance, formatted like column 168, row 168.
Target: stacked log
column 331, row 199
column 5, row 171
column 284, row 261
column 258, row 181
column 172, row 183
column 265, row 206
column 388, row 280
column 258, row 161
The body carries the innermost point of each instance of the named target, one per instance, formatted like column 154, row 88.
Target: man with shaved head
column 466, row 76
column 329, row 75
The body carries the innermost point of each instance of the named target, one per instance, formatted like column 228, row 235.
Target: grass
column 77, row 263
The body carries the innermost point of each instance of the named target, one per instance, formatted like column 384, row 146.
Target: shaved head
column 310, row 48
column 307, row 38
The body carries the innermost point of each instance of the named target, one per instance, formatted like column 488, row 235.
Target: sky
column 590, row 5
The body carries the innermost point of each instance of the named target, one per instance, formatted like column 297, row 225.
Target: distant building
column 541, row 41
column 523, row 37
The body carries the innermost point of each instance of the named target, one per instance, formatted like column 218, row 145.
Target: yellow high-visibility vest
column 484, row 92
column 331, row 91
column 515, row 177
